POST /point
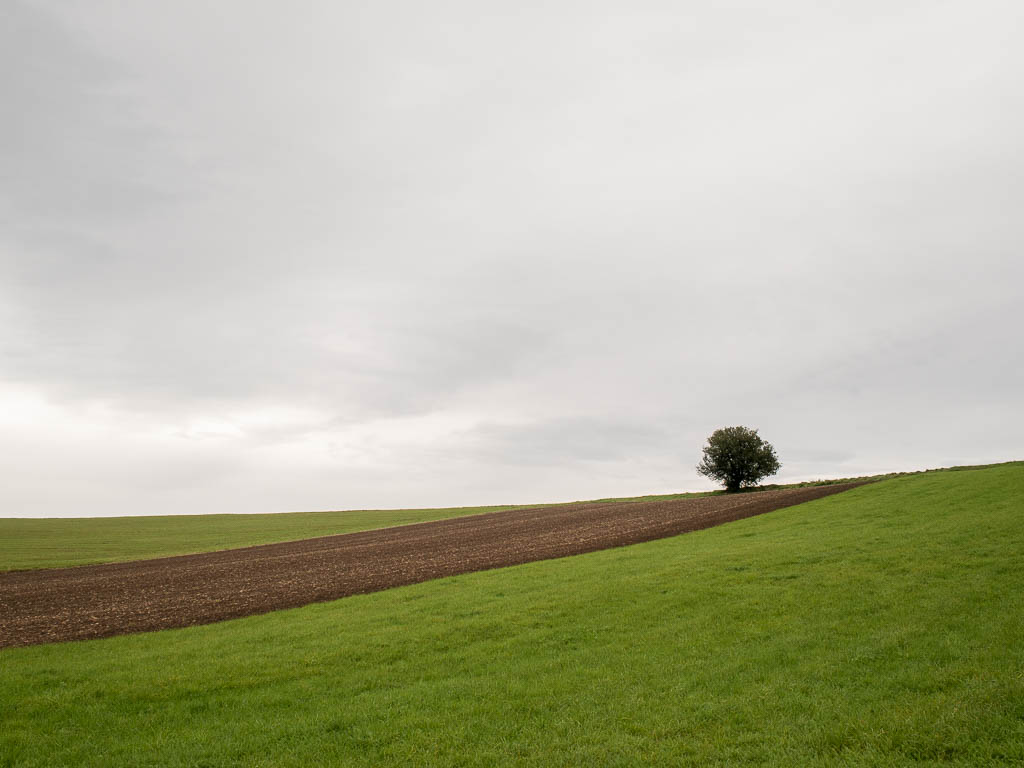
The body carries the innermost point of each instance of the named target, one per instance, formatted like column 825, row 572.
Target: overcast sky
column 263, row 257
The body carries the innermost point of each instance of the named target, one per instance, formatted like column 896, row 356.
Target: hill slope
column 882, row 626
column 34, row 543
column 31, row 543
column 41, row 606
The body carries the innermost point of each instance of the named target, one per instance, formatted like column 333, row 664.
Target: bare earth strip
column 114, row 599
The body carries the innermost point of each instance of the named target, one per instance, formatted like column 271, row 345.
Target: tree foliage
column 737, row 457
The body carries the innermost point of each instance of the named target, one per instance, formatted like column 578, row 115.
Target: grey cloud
column 77, row 146
column 491, row 250
column 561, row 442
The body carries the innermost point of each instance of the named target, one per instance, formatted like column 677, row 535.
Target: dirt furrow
column 120, row 598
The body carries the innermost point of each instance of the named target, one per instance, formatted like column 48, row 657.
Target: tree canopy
column 737, row 457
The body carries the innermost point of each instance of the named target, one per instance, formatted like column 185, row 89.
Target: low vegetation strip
column 27, row 543
column 104, row 600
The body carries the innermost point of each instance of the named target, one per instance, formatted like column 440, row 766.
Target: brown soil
column 101, row 600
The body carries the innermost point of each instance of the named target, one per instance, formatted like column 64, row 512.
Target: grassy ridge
column 30, row 543
column 879, row 627
column 52, row 543
column 59, row 542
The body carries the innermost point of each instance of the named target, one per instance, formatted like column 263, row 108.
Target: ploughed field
column 45, row 606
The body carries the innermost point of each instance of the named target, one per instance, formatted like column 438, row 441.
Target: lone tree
column 737, row 457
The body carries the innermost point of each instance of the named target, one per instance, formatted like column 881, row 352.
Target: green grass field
column 880, row 627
